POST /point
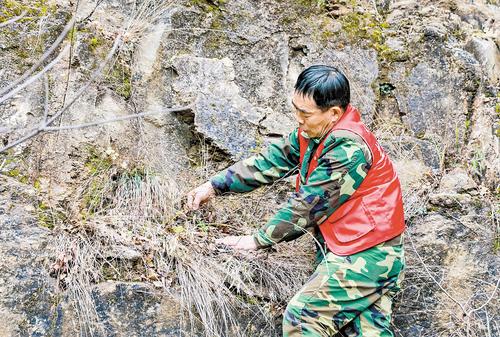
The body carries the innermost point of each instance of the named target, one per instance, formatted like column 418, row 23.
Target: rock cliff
column 94, row 238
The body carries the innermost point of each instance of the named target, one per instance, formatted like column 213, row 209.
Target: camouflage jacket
column 342, row 166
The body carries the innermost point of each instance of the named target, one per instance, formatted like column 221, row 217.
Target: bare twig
column 488, row 300
column 21, row 140
column 116, row 119
column 42, row 59
column 46, row 101
column 70, row 59
column 374, row 3
column 408, row 234
column 87, row 18
column 488, row 323
column 34, row 78
column 14, row 19
column 94, row 76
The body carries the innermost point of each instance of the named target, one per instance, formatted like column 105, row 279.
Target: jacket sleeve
column 278, row 159
column 341, row 168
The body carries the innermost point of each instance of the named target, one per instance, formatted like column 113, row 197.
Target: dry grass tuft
column 76, row 269
column 221, row 291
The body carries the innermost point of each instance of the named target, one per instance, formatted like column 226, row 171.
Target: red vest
column 374, row 213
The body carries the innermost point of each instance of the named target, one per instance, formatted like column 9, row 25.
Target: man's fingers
column 245, row 242
column 228, row 241
column 196, row 201
column 200, row 194
column 193, row 200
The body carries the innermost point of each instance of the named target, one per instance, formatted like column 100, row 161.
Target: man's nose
column 298, row 118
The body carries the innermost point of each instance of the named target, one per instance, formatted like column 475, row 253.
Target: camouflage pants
column 353, row 293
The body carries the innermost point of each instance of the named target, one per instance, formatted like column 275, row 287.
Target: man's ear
column 336, row 112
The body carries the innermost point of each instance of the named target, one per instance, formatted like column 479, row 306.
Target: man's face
column 314, row 121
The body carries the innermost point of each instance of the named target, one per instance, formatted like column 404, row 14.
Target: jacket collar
column 351, row 114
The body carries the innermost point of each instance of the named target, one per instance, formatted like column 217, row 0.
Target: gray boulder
column 486, row 52
column 429, row 101
column 220, row 113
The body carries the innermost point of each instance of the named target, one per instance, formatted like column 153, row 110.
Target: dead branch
column 187, row 108
column 42, row 59
column 95, row 75
column 408, row 234
column 87, row 18
column 46, row 101
column 488, row 300
column 14, row 19
column 70, row 58
column 36, row 77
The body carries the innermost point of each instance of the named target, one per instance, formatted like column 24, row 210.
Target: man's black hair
column 326, row 85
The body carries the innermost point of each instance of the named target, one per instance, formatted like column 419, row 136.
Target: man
column 348, row 191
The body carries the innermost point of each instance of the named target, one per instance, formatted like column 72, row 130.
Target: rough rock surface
column 429, row 101
column 486, row 52
column 221, row 114
column 25, row 305
column 32, row 305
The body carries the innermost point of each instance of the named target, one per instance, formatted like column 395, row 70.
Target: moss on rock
column 31, row 9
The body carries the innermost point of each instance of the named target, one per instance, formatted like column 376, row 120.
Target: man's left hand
column 245, row 242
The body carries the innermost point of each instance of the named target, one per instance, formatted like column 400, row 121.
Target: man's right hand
column 200, row 195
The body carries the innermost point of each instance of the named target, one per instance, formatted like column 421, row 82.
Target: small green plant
column 97, row 162
column 94, row 196
column 178, row 229
column 135, row 175
column 94, row 43
column 203, row 226
column 16, row 174
column 98, row 186
column 120, row 79
column 368, row 27
column 37, row 185
column 477, row 163
column 28, row 41
column 31, row 9
column 208, row 6
column 363, row 26
column 251, row 300
column 320, row 4
column 467, row 124
column 48, row 217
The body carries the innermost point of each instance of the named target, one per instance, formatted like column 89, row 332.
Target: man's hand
column 238, row 242
column 200, row 195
